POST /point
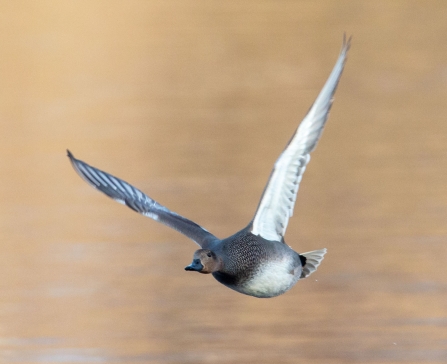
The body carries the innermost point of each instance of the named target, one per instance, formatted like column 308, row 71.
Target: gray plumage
column 255, row 261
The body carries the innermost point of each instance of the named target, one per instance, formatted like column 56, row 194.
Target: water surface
column 192, row 101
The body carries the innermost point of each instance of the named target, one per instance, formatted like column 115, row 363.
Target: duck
column 255, row 261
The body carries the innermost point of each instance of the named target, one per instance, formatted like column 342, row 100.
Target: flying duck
column 255, row 261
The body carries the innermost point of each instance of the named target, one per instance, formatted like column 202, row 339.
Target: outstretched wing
column 132, row 197
column 278, row 199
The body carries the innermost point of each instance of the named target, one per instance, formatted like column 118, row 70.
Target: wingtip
column 346, row 42
column 69, row 154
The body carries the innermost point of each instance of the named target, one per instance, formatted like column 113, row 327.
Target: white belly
column 272, row 279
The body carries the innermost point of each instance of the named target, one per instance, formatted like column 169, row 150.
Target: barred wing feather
column 132, row 197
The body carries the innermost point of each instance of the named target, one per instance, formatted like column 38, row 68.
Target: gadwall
column 255, row 261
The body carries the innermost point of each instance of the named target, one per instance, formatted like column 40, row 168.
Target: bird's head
column 204, row 261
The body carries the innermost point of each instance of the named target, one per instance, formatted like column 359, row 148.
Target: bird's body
column 255, row 266
column 255, row 261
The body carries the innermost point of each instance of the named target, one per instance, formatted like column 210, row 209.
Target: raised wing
column 278, row 199
column 132, row 197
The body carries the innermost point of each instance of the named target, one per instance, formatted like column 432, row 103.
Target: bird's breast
column 270, row 279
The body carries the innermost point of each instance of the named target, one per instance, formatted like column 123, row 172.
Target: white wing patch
column 278, row 200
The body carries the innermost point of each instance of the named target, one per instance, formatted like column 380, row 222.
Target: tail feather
column 311, row 261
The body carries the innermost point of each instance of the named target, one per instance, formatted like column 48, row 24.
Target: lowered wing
column 132, row 197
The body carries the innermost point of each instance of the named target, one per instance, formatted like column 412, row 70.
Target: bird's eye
column 208, row 255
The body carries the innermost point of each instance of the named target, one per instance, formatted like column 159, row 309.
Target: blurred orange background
column 192, row 102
